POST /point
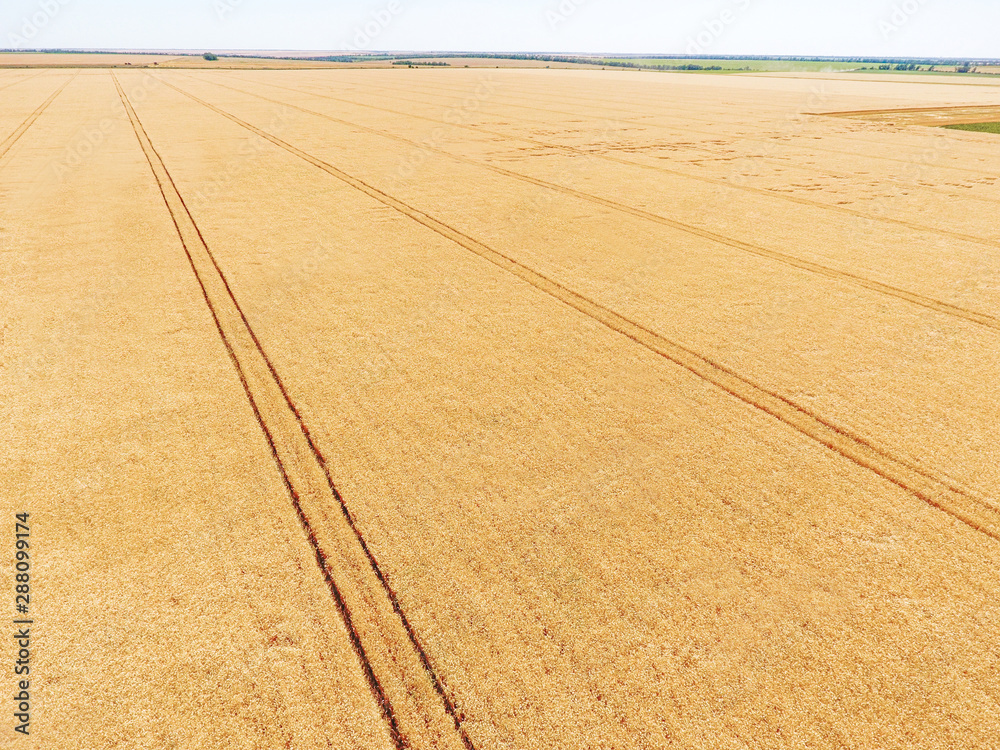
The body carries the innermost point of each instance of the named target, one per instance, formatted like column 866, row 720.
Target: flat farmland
column 502, row 409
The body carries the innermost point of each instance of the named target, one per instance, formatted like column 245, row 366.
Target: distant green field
column 978, row 127
column 731, row 66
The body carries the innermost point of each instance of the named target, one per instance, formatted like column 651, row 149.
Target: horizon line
column 472, row 53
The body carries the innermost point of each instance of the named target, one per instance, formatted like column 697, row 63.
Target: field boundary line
column 982, row 319
column 8, row 143
column 411, row 697
column 961, row 503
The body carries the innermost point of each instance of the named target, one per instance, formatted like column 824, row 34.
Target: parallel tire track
column 716, row 134
column 964, row 504
column 713, row 134
column 414, row 703
column 8, row 143
column 940, row 306
column 699, row 178
column 19, row 80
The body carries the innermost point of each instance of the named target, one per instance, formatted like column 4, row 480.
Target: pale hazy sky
column 943, row 28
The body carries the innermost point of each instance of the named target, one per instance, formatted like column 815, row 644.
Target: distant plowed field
column 502, row 409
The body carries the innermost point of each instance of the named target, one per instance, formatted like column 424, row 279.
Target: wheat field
column 503, row 409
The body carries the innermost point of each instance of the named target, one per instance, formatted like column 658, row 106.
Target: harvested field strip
column 412, row 698
column 964, row 504
column 972, row 316
column 934, row 116
column 519, row 104
column 719, row 182
column 8, row 143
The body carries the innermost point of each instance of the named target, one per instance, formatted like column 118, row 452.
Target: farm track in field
column 645, row 122
column 964, row 504
column 769, row 143
column 940, row 306
column 8, row 143
column 20, row 80
column 413, row 700
column 975, row 239
column 345, row 427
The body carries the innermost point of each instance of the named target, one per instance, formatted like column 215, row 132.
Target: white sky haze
column 919, row 28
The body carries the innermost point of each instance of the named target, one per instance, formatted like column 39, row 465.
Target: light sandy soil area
column 501, row 409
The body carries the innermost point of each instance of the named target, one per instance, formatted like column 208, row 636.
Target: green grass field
column 731, row 66
column 978, row 127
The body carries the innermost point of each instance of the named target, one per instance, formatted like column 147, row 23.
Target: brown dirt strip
column 964, row 504
column 8, row 143
column 930, row 116
column 972, row 316
column 716, row 181
column 411, row 696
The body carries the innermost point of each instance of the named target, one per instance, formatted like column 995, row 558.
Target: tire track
column 674, row 130
column 698, row 178
column 414, row 703
column 930, row 303
column 690, row 112
column 8, row 143
column 19, row 80
column 782, row 138
column 519, row 103
column 963, row 504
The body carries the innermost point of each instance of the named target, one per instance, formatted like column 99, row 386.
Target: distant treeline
column 430, row 63
column 866, row 60
column 415, row 60
column 892, row 63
